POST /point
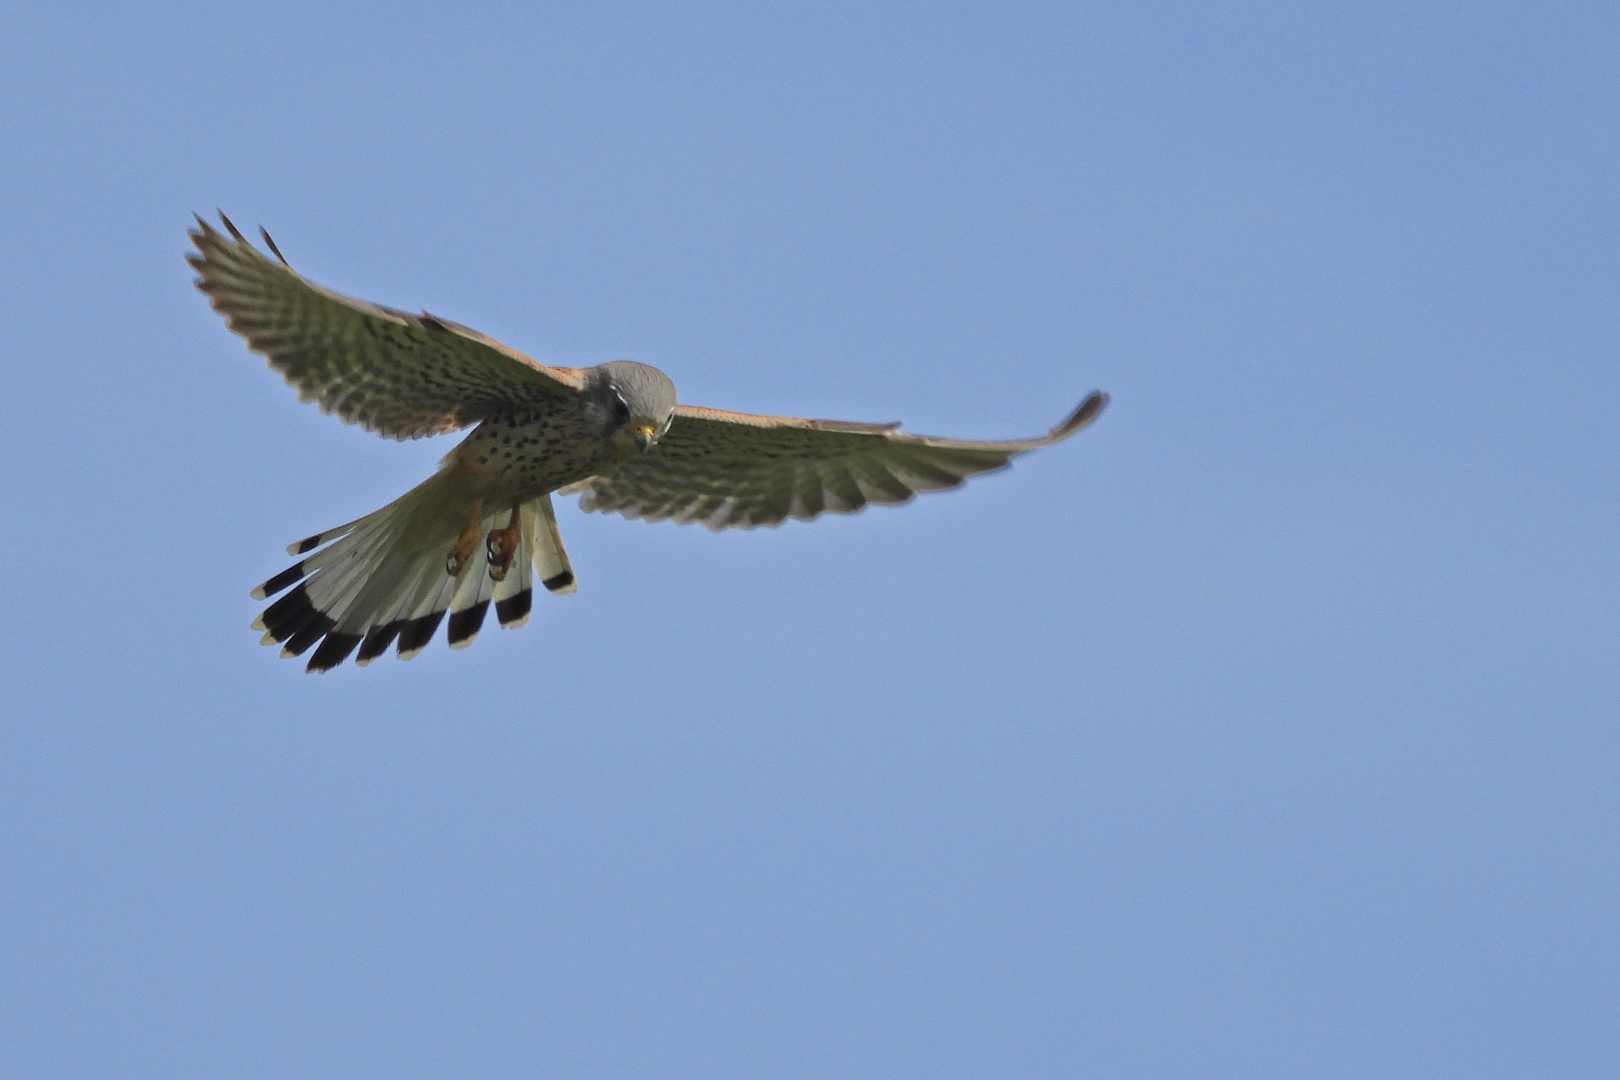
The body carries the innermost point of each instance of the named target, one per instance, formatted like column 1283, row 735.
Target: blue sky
column 1266, row 729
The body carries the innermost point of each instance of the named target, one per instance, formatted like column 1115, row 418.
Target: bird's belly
column 516, row 461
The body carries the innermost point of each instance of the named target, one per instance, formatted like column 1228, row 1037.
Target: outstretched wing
column 399, row 375
column 734, row 470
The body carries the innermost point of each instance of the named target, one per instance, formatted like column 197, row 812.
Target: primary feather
column 735, row 470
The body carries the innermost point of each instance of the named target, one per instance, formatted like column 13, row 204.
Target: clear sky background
column 1266, row 729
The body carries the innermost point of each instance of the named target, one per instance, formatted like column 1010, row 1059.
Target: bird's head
column 638, row 403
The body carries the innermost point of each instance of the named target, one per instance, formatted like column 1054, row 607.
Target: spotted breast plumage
column 482, row 529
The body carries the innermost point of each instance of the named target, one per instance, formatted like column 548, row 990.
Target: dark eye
column 620, row 409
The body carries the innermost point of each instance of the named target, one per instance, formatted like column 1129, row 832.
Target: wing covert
column 397, row 374
column 737, row 470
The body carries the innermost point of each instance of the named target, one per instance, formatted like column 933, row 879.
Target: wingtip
column 1087, row 411
column 230, row 227
column 204, row 230
column 271, row 244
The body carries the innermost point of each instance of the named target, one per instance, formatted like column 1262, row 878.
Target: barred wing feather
column 736, row 470
column 397, row 374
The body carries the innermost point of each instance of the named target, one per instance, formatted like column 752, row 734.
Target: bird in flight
column 481, row 529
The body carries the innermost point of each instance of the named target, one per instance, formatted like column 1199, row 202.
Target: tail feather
column 388, row 593
column 333, row 651
column 551, row 564
column 343, row 578
column 432, row 601
column 415, row 634
column 300, row 642
column 376, row 642
column 471, row 599
column 335, row 576
column 362, row 539
column 413, row 581
column 290, row 576
column 284, row 618
column 395, row 590
column 514, row 594
column 381, row 580
column 310, row 543
column 466, row 622
column 290, row 616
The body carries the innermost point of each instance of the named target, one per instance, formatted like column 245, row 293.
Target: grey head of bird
column 633, row 402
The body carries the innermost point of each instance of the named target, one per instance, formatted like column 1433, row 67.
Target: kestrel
column 482, row 528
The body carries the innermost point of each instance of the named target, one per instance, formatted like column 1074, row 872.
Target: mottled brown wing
column 734, row 470
column 399, row 375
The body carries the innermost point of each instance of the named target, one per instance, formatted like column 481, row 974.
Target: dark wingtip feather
column 1083, row 415
column 559, row 581
column 271, row 244
column 231, row 228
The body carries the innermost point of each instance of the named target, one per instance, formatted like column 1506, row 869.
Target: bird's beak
column 646, row 435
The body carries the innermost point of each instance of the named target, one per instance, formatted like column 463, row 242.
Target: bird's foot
column 465, row 545
column 501, row 547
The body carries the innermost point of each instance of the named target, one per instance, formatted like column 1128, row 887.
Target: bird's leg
column 503, row 544
column 466, row 543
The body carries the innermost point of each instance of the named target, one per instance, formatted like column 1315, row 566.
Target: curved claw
column 456, row 560
column 501, row 547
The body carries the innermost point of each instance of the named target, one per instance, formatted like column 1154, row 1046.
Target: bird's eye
column 620, row 409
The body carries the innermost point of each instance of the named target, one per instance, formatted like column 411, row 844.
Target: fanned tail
column 384, row 579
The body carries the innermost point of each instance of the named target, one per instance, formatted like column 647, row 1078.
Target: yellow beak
column 645, row 434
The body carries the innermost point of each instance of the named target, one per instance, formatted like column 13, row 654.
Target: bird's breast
column 521, row 457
